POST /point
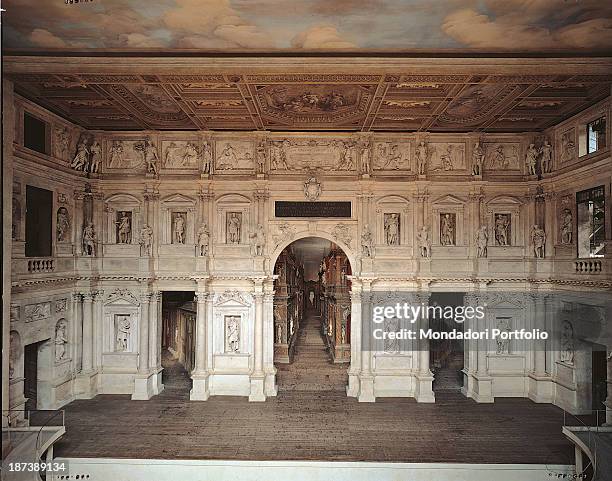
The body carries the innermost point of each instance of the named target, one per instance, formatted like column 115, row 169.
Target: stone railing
column 45, row 264
column 588, row 266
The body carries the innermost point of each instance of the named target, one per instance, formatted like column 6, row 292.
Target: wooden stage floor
column 326, row 426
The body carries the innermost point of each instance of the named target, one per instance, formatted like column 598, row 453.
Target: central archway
column 312, row 313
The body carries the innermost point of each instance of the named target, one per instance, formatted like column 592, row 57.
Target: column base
column 482, row 388
column 270, row 387
column 85, row 385
column 200, row 390
column 423, row 389
column 608, row 404
column 540, row 388
column 158, row 385
column 257, row 393
column 143, row 387
column 352, row 390
column 366, row 390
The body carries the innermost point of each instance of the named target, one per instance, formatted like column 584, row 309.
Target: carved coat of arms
column 312, row 189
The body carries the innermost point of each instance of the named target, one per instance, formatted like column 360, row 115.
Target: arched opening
column 312, row 316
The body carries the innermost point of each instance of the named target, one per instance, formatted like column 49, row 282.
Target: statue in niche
column 391, row 345
column 567, row 226
column 567, row 343
column 203, row 240
column 424, row 242
column 367, row 243
column 477, row 159
column 261, row 157
column 124, row 227
column 16, row 219
column 568, row 146
column 343, row 334
column 503, row 345
column 500, row 159
column 447, row 229
column 62, row 142
column 146, row 239
column 502, row 229
column 279, row 333
column 207, row 158
column 392, row 229
column 116, row 154
column 60, row 340
column 259, row 240
column 232, row 334
column 531, row 159
column 14, row 352
column 62, row 225
column 96, row 157
column 482, row 240
column 149, row 152
column 538, row 237
column 421, row 155
column 89, row 240
column 81, row 158
column 179, row 227
column 447, row 158
column 365, row 158
column 234, row 227
column 546, row 151
column 123, row 331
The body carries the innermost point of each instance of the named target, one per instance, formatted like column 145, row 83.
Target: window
column 596, row 135
column 39, row 208
column 34, row 134
column 590, row 217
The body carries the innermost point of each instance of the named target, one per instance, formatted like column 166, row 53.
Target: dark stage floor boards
column 305, row 425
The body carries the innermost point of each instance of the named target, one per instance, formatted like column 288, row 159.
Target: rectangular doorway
column 30, row 374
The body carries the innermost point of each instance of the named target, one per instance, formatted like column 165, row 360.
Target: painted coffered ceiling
column 375, row 100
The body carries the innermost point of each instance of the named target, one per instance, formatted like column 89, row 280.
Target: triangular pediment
column 449, row 200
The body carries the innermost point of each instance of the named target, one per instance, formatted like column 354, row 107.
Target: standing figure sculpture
column 81, row 158
column 421, row 157
column 207, row 158
column 482, row 240
column 567, row 343
column 89, row 240
column 122, row 338
column 96, row 157
column 365, row 158
column 146, row 239
column 259, row 240
column 203, row 240
column 261, row 157
column 234, row 227
column 62, row 227
column 124, row 229
column 179, row 229
column 150, row 157
column 531, row 159
column 392, row 229
column 367, row 247
column 538, row 237
column 502, row 225
column 567, row 227
column 233, row 334
column 424, row 242
column 60, row 340
column 546, row 160
column 477, row 159
column 447, row 230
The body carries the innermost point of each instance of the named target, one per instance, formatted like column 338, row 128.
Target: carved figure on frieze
column 234, row 227
column 150, row 156
column 345, row 160
column 538, row 238
column 278, row 155
column 191, row 155
column 482, row 241
column 367, row 242
column 502, row 229
column 61, row 142
column 207, row 158
column 424, row 242
column 89, row 240
column 341, row 232
column 568, row 146
column 261, row 157
column 96, row 157
column 499, row 158
column 179, row 227
column 259, row 240
column 116, row 154
column 81, row 158
column 62, row 225
column 286, row 232
column 531, row 160
column 477, row 159
column 203, row 240
column 447, row 229
column 567, row 343
column 365, row 157
column 123, row 328
column 146, row 240
column 447, row 158
column 228, row 159
column 124, row 227
column 60, row 340
column 567, row 226
column 422, row 156
column 546, row 152
column 232, row 334
column 392, row 229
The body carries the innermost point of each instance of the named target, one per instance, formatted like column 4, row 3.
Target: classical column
column 540, row 345
column 77, row 313
column 155, row 342
column 270, row 388
column 608, row 401
column 143, row 339
column 424, row 380
column 87, row 332
column 352, row 389
column 257, row 377
column 366, row 379
column 200, row 390
column 98, row 313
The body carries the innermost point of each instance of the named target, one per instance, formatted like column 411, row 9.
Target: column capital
column 201, row 297
column 97, row 295
column 77, row 297
column 145, row 296
column 88, row 296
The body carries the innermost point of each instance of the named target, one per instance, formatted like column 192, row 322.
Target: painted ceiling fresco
column 514, row 25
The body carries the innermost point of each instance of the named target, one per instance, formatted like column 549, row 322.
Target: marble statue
column 343, row 334
column 14, row 352
column 232, row 334
column 392, row 227
column 228, row 159
column 62, row 225
column 567, row 226
column 203, row 240
column 477, row 159
column 367, row 243
column 424, row 242
column 447, row 230
column 567, row 343
column 503, row 345
column 179, row 228
column 150, row 157
column 261, row 157
column 60, row 340
column 207, row 158
column 531, row 159
column 259, row 240
column 482, row 240
column 447, row 158
column 61, row 142
column 568, row 146
column 345, row 160
column 81, row 158
column 538, row 237
column 546, row 151
column 234, row 228
column 500, row 159
column 391, row 344
column 123, row 331
column 365, row 158
column 146, row 239
column 191, row 155
column 124, row 228
column 502, row 229
column 279, row 333
column 89, row 240
column 116, row 154
column 96, row 157
column 421, row 157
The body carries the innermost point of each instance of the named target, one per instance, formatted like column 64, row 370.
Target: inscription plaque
column 312, row 209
